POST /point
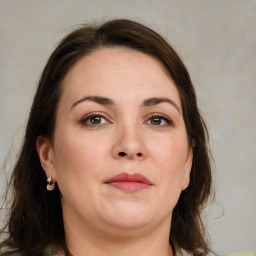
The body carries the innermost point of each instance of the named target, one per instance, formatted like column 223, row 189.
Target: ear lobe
column 46, row 155
column 187, row 171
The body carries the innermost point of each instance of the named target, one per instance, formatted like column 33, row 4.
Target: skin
column 100, row 219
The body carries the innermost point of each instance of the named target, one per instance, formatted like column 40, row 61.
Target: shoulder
column 12, row 251
column 179, row 251
column 17, row 252
column 185, row 253
column 5, row 253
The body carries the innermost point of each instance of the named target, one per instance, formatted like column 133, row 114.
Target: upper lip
column 126, row 177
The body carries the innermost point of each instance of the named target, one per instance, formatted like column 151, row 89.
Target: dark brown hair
column 35, row 220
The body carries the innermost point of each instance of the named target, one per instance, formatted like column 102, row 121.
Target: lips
column 129, row 182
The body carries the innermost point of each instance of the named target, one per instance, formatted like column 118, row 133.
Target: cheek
column 76, row 162
column 170, row 152
column 170, row 157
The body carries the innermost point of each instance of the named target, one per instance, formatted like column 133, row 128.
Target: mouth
column 129, row 182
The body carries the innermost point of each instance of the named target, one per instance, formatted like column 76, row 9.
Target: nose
column 129, row 144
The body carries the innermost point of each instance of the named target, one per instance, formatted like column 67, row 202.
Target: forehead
column 119, row 71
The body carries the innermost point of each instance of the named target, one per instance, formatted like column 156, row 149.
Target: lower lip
column 129, row 186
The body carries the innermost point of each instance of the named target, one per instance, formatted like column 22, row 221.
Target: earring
column 50, row 185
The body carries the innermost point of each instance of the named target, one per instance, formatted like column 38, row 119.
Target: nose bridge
column 129, row 140
column 130, row 135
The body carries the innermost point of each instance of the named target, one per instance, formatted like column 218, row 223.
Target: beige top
column 179, row 251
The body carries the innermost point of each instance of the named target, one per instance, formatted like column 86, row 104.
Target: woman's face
column 120, row 154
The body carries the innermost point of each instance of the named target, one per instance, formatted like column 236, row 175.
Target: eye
column 159, row 120
column 94, row 120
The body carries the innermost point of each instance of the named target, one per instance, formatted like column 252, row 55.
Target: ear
column 188, row 165
column 46, row 156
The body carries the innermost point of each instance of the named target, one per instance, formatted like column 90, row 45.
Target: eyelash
column 168, row 121
column 90, row 116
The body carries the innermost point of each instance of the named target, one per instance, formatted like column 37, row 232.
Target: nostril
column 121, row 153
column 139, row 154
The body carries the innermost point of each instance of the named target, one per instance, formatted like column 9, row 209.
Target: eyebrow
column 97, row 99
column 156, row 101
column 107, row 101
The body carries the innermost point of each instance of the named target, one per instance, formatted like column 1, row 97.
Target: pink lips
column 129, row 182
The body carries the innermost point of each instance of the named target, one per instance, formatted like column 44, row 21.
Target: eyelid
column 163, row 116
column 93, row 114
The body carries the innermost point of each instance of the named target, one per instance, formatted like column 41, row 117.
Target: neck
column 94, row 242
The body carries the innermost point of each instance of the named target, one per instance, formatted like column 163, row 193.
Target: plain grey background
column 216, row 40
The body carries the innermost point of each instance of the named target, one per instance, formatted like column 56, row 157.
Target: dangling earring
column 50, row 185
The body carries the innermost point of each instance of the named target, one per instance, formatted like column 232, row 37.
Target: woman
column 114, row 159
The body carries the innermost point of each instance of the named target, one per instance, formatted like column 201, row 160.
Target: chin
column 130, row 216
